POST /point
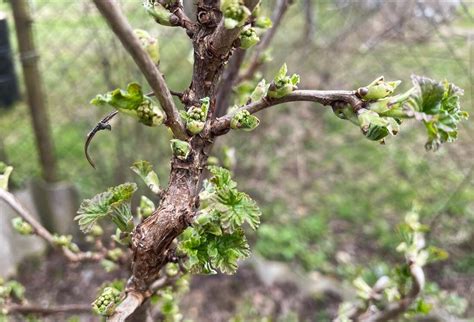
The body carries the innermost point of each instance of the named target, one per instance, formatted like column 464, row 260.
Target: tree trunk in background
column 34, row 90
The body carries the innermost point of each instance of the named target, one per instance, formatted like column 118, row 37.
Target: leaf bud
column 378, row 89
column 21, row 226
column 283, row 84
column 150, row 44
column 161, row 15
column 243, row 120
column 181, row 149
column 373, row 126
column 248, row 38
column 235, row 13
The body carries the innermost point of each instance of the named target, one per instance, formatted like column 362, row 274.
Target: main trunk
column 153, row 237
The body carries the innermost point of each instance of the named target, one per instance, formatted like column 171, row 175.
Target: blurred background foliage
column 331, row 199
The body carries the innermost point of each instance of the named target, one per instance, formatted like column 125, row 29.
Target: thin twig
column 255, row 60
column 26, row 309
column 120, row 26
column 134, row 299
column 223, row 38
column 227, row 82
column 42, row 232
column 394, row 310
column 221, row 125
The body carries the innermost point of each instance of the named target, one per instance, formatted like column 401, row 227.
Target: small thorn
column 102, row 125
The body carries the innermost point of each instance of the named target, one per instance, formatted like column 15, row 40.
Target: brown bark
column 152, row 239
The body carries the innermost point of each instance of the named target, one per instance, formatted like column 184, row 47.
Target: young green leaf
column 260, row 91
column 146, row 208
column 5, row 172
column 132, row 102
column 236, row 208
column 144, row 170
column 105, row 204
column 440, row 108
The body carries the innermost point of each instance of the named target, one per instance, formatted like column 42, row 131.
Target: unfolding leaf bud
column 283, row 84
column 196, row 116
column 195, row 127
column 378, row 89
column 248, row 38
column 161, row 15
column 5, row 172
column 372, row 125
column 150, row 44
column 263, row 22
column 65, row 241
column 21, row 226
column 243, row 120
column 235, row 13
column 181, row 149
column 260, row 91
column 107, row 301
column 172, row 269
column 146, row 208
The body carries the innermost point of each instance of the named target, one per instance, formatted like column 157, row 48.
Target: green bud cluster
column 243, row 120
column 196, row 116
column 150, row 44
column 181, row 149
column 65, row 241
column 149, row 114
column 235, row 13
column 283, row 84
column 248, row 38
column 107, row 301
column 22, row 227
